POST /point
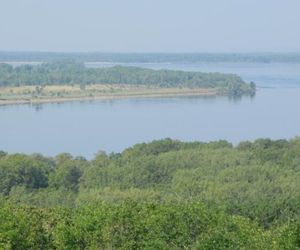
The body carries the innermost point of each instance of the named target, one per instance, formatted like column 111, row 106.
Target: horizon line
column 147, row 52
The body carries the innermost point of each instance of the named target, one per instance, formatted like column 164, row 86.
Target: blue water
column 83, row 128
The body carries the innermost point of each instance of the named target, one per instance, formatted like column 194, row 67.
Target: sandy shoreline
column 147, row 94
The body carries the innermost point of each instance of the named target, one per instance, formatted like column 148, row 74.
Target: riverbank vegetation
column 165, row 194
column 74, row 73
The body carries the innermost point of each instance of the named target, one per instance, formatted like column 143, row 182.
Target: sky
column 150, row 25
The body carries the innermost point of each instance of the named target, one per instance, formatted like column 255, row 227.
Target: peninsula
column 72, row 81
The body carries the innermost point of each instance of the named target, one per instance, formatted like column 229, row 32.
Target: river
column 83, row 128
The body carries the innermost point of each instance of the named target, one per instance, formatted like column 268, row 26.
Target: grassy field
column 62, row 93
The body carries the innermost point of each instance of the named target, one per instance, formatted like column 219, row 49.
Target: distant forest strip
column 71, row 72
column 165, row 194
column 151, row 57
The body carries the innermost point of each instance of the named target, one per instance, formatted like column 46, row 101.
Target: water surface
column 83, row 128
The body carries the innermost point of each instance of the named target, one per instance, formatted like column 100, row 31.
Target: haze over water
column 83, row 128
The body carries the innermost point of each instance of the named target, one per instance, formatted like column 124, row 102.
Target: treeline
column 71, row 72
column 162, row 195
column 151, row 57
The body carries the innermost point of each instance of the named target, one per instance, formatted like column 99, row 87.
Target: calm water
column 83, row 128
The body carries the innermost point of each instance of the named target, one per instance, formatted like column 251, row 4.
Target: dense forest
column 165, row 194
column 151, row 57
column 71, row 72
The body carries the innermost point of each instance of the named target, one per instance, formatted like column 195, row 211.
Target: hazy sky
column 150, row 25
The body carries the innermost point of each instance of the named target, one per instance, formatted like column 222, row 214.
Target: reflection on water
column 37, row 107
column 83, row 128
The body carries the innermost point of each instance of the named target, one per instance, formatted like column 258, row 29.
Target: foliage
column 165, row 194
column 71, row 72
column 130, row 225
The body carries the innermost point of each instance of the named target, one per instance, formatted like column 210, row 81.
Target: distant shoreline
column 148, row 93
